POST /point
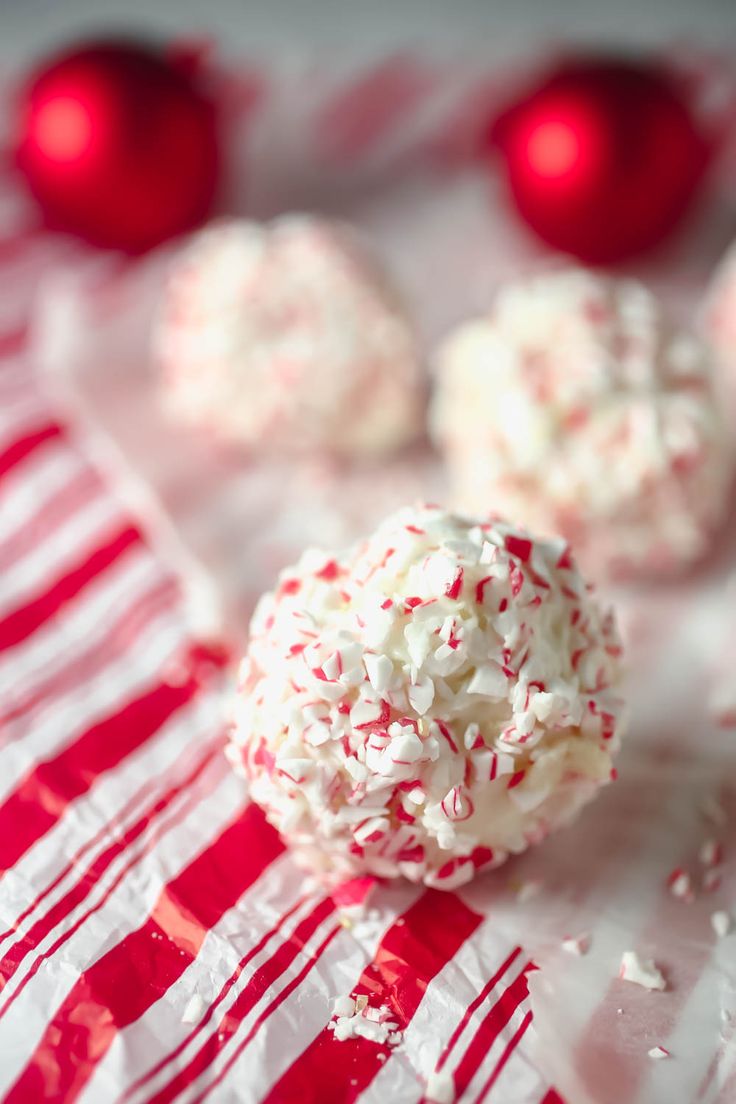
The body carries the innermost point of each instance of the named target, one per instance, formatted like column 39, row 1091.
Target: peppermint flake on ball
column 451, row 731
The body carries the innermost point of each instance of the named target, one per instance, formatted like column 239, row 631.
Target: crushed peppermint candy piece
column 568, row 404
column 577, row 944
column 285, row 335
column 721, row 923
column 431, row 738
column 343, row 1006
column 354, row 1019
column 658, row 1052
column 711, row 853
column 529, row 889
column 712, row 810
column 194, row 1009
column 711, row 880
column 680, row 885
column 440, row 1087
column 641, row 971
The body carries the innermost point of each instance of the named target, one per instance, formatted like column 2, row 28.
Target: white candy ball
column 573, row 408
column 285, row 336
column 719, row 322
column 438, row 698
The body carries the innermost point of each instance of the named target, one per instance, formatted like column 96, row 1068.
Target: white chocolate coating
column 285, row 336
column 574, row 409
column 442, row 696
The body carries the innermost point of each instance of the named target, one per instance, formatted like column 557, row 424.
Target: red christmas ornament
column 603, row 158
column 118, row 145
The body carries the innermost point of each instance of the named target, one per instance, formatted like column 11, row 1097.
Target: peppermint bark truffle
column 438, row 698
column 574, row 408
column 286, row 336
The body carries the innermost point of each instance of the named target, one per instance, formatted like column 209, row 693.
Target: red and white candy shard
column 286, row 336
column 641, row 971
column 443, row 695
column 573, row 406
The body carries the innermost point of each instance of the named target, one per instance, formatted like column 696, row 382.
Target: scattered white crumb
column 711, row 852
column 577, row 944
column 713, row 811
column 440, row 1087
column 721, row 923
column 355, row 1018
column 619, row 1011
column 712, row 879
column 681, row 885
column 343, row 1006
column 658, row 1052
column 641, row 971
column 529, row 889
column 194, row 1009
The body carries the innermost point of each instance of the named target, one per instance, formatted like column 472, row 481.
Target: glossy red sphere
column 117, row 145
column 603, row 158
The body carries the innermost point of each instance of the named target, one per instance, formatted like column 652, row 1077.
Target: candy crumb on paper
column 641, row 971
column 712, row 879
column 721, row 923
column 711, row 853
column 526, row 891
column 658, row 1052
column 577, row 944
column 712, row 811
column 440, row 1087
column 680, row 885
column 355, row 1018
column 194, row 1009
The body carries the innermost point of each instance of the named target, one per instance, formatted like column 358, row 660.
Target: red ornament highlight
column 603, row 158
column 118, row 145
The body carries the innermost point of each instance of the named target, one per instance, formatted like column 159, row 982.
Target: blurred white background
column 370, row 26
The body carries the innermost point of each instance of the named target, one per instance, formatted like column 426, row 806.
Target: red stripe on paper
column 120, row 637
column 19, row 625
column 258, row 986
column 43, row 796
column 90, row 877
column 25, row 446
column 490, row 985
column 122, row 985
column 489, row 1030
column 82, row 488
column 508, row 1050
column 412, row 952
column 200, row 1027
column 552, row 1097
column 13, row 341
column 269, row 1010
column 366, row 111
column 106, row 828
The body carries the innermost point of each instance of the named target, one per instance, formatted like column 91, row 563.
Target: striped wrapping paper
column 157, row 944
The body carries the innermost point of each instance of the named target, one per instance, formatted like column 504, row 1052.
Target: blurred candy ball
column 287, row 337
column 719, row 316
column 603, row 157
column 118, row 145
column 575, row 408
